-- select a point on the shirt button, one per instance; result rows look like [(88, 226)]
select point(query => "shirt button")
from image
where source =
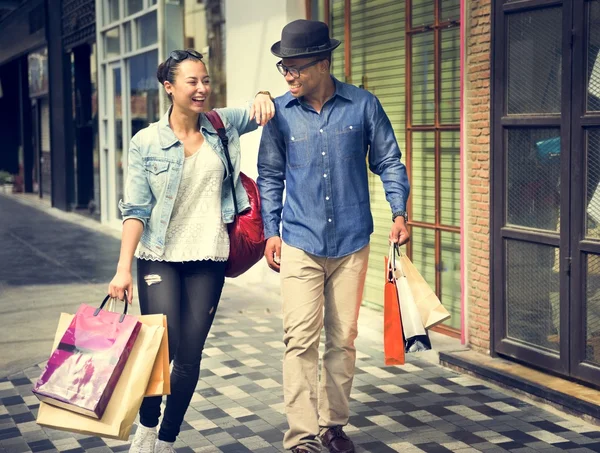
[(321, 131), (325, 176), (350, 127), (329, 220), (323, 153), (327, 198), (293, 139)]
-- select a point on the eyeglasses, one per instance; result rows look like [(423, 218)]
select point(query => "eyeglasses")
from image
[(295, 72), (179, 55)]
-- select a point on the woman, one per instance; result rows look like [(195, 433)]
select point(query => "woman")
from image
[(178, 201)]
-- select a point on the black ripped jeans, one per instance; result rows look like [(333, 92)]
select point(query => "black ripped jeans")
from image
[(188, 293)]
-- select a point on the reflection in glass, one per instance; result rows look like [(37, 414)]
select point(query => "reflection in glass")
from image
[(423, 86), (147, 30), (336, 26), (133, 6), (450, 178), (118, 130), (593, 183), (593, 62), (450, 10), (450, 277), (144, 90), (112, 43), (111, 11), (422, 192), (533, 178), (423, 253), (592, 310), (422, 13), (535, 61), (532, 297), (450, 76)]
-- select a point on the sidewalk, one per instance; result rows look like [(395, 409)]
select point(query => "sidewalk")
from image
[(48, 265)]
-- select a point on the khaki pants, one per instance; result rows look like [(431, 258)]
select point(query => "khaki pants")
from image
[(319, 292)]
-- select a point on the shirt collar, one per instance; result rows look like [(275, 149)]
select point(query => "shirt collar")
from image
[(340, 90)]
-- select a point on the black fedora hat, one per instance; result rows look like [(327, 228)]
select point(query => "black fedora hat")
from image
[(303, 38)]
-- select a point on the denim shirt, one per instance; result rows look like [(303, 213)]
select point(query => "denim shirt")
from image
[(154, 168), (322, 160)]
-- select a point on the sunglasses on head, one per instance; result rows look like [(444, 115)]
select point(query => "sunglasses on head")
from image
[(179, 55)]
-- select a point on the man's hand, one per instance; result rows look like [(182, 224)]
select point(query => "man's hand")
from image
[(262, 109), (273, 252), (399, 234)]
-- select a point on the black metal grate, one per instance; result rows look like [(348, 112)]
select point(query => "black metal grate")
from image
[(592, 324), (532, 295), (79, 22), (533, 178), (534, 61), (593, 60)]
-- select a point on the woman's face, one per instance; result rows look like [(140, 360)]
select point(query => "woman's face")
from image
[(191, 88)]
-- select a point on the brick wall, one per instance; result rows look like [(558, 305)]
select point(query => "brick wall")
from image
[(477, 167)]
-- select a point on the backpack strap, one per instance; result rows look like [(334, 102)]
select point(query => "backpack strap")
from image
[(217, 123)]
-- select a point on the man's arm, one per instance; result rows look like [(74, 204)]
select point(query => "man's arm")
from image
[(271, 177), (384, 157)]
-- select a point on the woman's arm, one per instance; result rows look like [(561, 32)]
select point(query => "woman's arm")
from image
[(123, 281)]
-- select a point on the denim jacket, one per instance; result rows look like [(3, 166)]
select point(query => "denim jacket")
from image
[(154, 168)]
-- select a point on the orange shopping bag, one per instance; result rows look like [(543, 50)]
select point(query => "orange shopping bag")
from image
[(393, 338)]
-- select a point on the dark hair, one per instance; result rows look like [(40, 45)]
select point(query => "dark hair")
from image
[(167, 70)]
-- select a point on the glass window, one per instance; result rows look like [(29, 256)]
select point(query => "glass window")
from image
[(450, 178), (450, 10), (423, 253), (111, 11), (592, 311), (127, 32), (144, 90), (112, 43), (533, 178), (337, 26), (593, 183), (450, 276), (423, 86), (534, 61), (532, 303), (118, 135), (133, 6), (450, 76), (147, 30), (422, 165), (422, 13), (593, 60)]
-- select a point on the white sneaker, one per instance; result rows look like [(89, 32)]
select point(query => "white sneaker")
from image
[(144, 440), (164, 447)]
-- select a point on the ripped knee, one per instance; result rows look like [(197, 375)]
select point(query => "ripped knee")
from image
[(152, 279)]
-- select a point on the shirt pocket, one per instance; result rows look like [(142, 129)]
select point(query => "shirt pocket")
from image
[(297, 150), (158, 174), (349, 141)]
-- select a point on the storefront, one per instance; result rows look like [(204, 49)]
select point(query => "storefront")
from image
[(408, 55)]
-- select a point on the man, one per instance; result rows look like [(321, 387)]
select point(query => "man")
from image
[(319, 141)]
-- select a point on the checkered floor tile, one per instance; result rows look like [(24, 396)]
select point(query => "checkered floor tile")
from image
[(238, 406)]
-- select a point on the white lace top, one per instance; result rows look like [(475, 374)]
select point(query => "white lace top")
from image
[(196, 230)]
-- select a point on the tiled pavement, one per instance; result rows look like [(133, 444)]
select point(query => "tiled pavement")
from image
[(238, 402)]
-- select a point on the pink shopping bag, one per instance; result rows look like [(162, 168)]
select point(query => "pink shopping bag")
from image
[(84, 369)]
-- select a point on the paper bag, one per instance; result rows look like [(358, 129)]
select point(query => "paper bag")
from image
[(160, 379), (126, 400), (430, 308), (393, 340)]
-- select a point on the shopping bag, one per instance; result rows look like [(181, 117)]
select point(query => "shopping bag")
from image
[(85, 366), (393, 339), (122, 409), (430, 308), (160, 379), (415, 336)]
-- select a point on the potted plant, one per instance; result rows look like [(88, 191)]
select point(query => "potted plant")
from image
[(6, 181)]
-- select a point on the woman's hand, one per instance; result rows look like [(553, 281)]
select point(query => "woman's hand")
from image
[(121, 284), (263, 108)]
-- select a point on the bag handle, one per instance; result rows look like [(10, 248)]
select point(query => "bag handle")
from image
[(216, 121), (122, 318), (395, 265)]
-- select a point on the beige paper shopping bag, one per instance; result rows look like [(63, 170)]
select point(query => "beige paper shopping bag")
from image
[(430, 308), (160, 379), (127, 397)]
